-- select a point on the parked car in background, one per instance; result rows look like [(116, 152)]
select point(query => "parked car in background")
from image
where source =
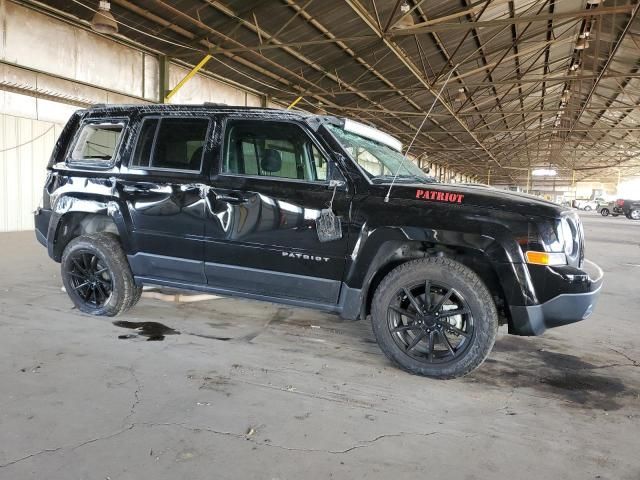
[(606, 208), (628, 208), (588, 205)]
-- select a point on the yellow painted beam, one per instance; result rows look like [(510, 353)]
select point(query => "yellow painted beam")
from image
[(294, 103), (187, 77)]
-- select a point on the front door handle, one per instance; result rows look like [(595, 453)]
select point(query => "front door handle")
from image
[(229, 198)]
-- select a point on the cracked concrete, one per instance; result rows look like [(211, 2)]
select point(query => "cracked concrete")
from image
[(297, 393)]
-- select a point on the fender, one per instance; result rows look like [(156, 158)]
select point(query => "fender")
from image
[(103, 200), (377, 250)]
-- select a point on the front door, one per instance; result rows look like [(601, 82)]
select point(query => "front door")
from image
[(163, 188), (262, 206)]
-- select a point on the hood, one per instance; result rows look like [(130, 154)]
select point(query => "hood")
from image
[(475, 196)]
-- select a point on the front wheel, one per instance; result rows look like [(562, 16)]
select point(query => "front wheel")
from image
[(634, 214), (96, 275), (604, 212), (434, 317)]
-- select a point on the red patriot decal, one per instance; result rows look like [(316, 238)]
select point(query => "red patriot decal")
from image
[(448, 197)]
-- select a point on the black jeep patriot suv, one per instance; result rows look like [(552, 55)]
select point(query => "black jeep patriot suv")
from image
[(297, 209)]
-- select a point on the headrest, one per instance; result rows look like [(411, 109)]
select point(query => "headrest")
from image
[(271, 161)]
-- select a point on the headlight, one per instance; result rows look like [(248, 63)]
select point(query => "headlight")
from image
[(552, 242), (567, 237)]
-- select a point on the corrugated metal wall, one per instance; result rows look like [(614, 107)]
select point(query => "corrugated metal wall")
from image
[(25, 146)]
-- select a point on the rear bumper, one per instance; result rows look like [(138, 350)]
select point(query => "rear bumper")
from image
[(562, 309), (41, 219)]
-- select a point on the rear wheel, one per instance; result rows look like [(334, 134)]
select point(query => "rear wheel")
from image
[(604, 212), (96, 275), (587, 208), (634, 214), (434, 317)]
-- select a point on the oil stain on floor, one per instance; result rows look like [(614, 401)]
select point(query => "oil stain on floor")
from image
[(520, 363), (154, 331)]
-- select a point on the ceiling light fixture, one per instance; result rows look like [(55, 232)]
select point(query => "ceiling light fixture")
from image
[(103, 20), (582, 42), (544, 172), (406, 20)]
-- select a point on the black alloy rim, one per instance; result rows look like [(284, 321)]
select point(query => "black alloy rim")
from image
[(430, 322), (90, 278)]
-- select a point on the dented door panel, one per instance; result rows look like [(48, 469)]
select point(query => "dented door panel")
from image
[(261, 237), (167, 228)]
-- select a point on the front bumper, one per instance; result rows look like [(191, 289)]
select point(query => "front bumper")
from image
[(562, 309)]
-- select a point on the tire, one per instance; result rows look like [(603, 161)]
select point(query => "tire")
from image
[(399, 335), (587, 208), (97, 276), (604, 212), (634, 214), (135, 298)]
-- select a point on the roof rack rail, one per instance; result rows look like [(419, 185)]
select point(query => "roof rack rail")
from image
[(215, 104), (97, 105)]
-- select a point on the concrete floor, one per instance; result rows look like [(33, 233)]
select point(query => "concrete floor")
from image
[(254, 390)]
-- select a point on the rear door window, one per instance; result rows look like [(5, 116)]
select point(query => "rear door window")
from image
[(142, 155), (97, 144), (171, 144)]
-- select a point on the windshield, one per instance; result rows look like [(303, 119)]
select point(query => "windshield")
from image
[(379, 161)]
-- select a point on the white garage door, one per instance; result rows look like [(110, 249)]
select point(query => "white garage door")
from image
[(25, 147)]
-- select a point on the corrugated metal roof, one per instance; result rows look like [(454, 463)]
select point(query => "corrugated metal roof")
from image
[(530, 98)]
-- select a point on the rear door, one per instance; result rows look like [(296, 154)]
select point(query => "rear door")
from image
[(163, 190), (261, 237)]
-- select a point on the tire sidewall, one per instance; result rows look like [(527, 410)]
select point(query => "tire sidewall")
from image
[(604, 212), (95, 246), (472, 290)]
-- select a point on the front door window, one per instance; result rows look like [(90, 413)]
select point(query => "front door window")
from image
[(272, 150)]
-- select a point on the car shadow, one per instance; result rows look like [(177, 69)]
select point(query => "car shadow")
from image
[(536, 363)]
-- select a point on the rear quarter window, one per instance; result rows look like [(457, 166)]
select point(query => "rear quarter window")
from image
[(96, 144)]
